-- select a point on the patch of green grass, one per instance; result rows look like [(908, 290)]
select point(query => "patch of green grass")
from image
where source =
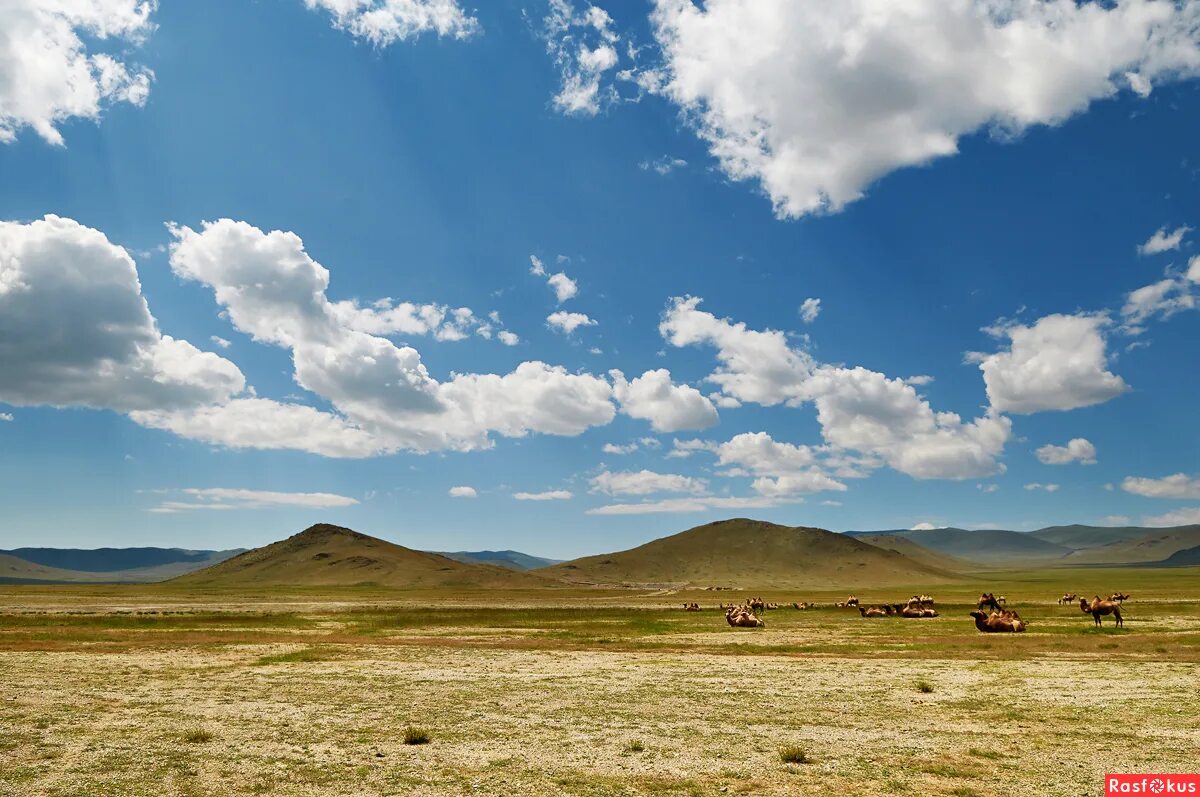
[(924, 687), (947, 771), (991, 755), (198, 736), (794, 754), (415, 735), (294, 657), (634, 746)]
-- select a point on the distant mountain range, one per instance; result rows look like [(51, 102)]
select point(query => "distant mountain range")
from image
[(103, 565), (738, 552), (1055, 546), (510, 559)]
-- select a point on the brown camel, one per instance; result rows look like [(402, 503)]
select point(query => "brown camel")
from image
[(800, 605), (996, 623), (1068, 597), (757, 604), (1119, 597), (917, 611), (989, 601), (871, 611), (1099, 607), (691, 607), (742, 617)]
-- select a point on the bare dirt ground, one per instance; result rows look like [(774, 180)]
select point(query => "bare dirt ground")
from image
[(589, 701)]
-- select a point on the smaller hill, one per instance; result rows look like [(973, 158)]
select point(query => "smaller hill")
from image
[(109, 560), (1150, 545), (918, 553), (14, 570), (1188, 557), (327, 555), (1078, 536), (749, 554), (514, 560), (986, 546)]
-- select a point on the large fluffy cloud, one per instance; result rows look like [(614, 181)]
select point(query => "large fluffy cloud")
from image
[(48, 75), (75, 330), (865, 411), (382, 22), (271, 289), (1059, 362), (858, 409), (667, 406), (758, 367), (816, 100)]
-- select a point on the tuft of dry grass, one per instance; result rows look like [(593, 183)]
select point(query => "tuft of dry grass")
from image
[(415, 735), (794, 754), (198, 736), (924, 687)]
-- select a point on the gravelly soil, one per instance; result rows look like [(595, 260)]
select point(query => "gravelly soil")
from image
[(329, 721)]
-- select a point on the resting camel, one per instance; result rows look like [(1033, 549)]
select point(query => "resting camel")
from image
[(757, 604), (871, 611), (997, 623), (1099, 607), (742, 617), (691, 607), (988, 600), (917, 611), (1119, 597), (1068, 597), (851, 601), (801, 605)]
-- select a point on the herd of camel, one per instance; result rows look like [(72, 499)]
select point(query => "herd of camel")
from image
[(996, 619)]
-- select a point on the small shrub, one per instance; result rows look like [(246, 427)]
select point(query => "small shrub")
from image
[(924, 687), (989, 754), (635, 746), (414, 735), (198, 736), (793, 754), (964, 791)]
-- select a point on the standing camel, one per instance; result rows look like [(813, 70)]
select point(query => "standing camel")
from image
[(1101, 607)]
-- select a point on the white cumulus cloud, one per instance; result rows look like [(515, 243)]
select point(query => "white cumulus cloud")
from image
[(462, 491), (1059, 362), (569, 322), (583, 45), (382, 22), (1078, 449), (668, 407), (227, 498), (1179, 485), (1163, 241), (51, 71), (817, 100)]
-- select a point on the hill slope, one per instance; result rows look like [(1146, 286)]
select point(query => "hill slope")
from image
[(514, 560), (1151, 545), (325, 555), (1188, 557), (110, 560), (1078, 537), (751, 553), (918, 553), (986, 546)]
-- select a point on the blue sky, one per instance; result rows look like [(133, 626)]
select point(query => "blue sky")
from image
[(934, 210)]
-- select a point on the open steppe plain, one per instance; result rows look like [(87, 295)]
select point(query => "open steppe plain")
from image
[(157, 690)]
